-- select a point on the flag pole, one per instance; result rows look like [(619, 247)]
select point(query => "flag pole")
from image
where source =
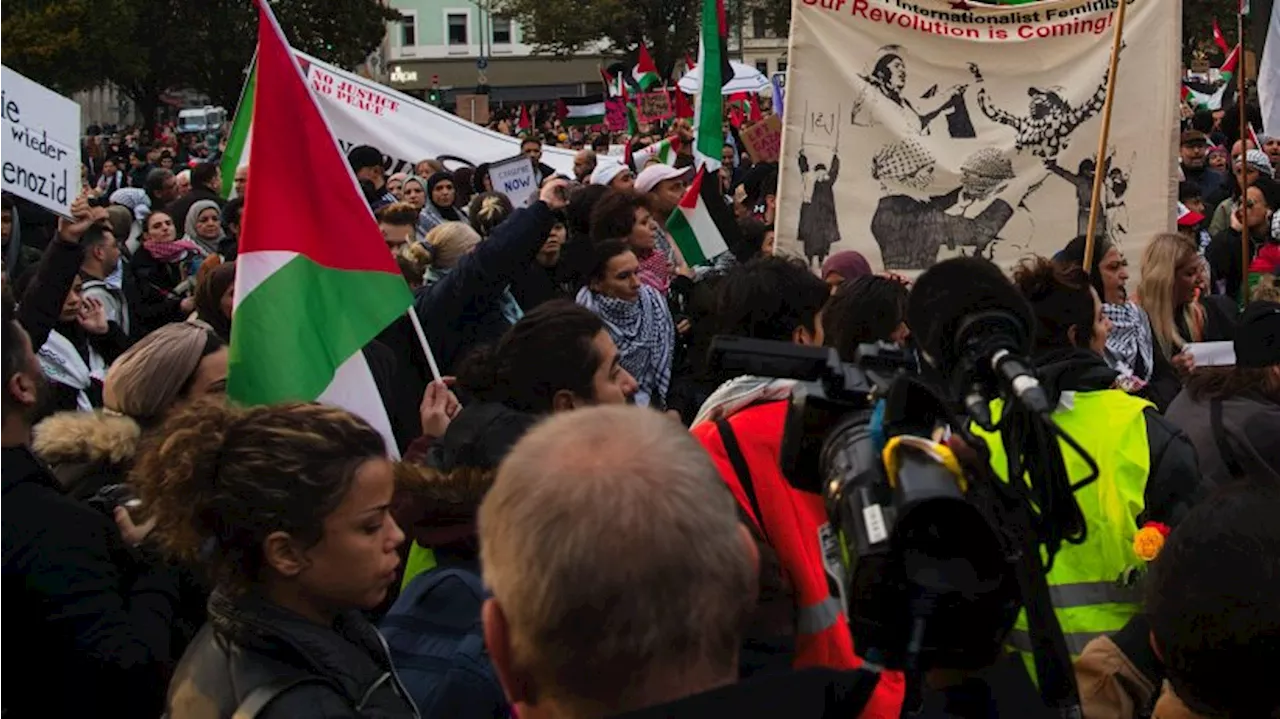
[(426, 348), (1104, 136), (1245, 245)]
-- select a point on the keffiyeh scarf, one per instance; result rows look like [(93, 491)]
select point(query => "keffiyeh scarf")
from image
[(645, 336), (1130, 345)]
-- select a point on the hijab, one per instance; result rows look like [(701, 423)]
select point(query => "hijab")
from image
[(449, 213), (433, 215), (207, 247)]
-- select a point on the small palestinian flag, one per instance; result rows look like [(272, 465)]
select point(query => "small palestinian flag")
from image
[(581, 111), (696, 224), (664, 152), (645, 73)]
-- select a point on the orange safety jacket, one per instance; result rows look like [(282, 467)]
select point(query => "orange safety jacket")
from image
[(796, 526)]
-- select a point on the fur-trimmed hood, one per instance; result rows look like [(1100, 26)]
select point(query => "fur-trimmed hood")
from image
[(87, 449)]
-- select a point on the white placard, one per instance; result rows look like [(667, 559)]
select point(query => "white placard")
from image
[(514, 178), (1211, 354), (40, 150)]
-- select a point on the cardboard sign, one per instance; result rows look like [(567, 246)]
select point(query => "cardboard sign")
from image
[(763, 139), (515, 178), (654, 106), (473, 107), (41, 146), (615, 114)]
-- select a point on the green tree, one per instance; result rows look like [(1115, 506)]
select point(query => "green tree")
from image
[(207, 46), (68, 45), (564, 27), (342, 32)]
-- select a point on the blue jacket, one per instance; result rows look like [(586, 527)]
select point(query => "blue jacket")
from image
[(436, 640), (464, 309)]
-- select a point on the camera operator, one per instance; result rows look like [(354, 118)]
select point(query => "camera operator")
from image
[(1146, 467), (800, 621), (622, 581)]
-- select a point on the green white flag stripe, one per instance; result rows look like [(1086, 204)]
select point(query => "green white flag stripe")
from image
[(237, 152), (291, 298), (587, 114), (690, 228)]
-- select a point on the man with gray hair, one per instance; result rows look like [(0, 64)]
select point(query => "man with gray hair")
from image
[(622, 579), (584, 163), (620, 574)]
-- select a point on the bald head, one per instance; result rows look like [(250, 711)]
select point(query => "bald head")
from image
[(616, 559), (584, 163)]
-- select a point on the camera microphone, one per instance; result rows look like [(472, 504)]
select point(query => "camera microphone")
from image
[(974, 326)]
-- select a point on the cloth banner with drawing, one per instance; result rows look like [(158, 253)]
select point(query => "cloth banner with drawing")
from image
[(918, 130)]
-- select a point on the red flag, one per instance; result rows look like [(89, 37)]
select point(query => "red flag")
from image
[(524, 123), (735, 115), (1219, 39), (291, 130), (684, 108), (755, 109)]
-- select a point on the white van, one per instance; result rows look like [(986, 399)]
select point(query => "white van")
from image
[(201, 119)]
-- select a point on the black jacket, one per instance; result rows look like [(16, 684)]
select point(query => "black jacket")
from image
[(802, 694), (1247, 427), (305, 669), (1223, 254), (92, 614), (463, 309), (157, 303)]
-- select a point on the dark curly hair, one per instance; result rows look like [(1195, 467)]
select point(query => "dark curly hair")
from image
[(219, 479), (615, 214), (1060, 295)]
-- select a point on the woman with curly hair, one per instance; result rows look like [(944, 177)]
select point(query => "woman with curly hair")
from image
[(288, 506)]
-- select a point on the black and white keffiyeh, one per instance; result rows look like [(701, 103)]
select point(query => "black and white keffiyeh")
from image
[(645, 336), (1130, 346)]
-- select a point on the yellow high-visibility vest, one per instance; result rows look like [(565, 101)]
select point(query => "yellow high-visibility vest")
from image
[(1088, 583)]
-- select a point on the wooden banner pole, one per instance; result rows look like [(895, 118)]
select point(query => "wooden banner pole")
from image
[(1100, 164)]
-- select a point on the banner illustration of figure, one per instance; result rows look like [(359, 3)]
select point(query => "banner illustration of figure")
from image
[(1050, 120), (968, 126), (911, 231), (819, 226), (879, 98), (1113, 217)]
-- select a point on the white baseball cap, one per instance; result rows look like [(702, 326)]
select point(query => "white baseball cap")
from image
[(650, 176), (606, 171)]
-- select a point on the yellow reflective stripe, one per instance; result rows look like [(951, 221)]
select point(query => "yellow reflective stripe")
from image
[(1020, 639), (817, 618), (1087, 594)]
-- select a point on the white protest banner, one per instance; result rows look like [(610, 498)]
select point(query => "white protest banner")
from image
[(918, 130), (41, 146), (405, 129), (514, 177)]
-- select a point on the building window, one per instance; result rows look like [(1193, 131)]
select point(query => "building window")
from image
[(457, 23), (762, 66), (759, 26), (782, 66), (408, 30), (501, 30)]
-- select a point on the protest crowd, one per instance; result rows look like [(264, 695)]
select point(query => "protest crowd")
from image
[(571, 506)]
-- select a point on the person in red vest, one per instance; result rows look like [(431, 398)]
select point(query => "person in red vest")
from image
[(801, 618)]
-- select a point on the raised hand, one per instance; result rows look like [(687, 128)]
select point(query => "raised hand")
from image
[(93, 316)]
